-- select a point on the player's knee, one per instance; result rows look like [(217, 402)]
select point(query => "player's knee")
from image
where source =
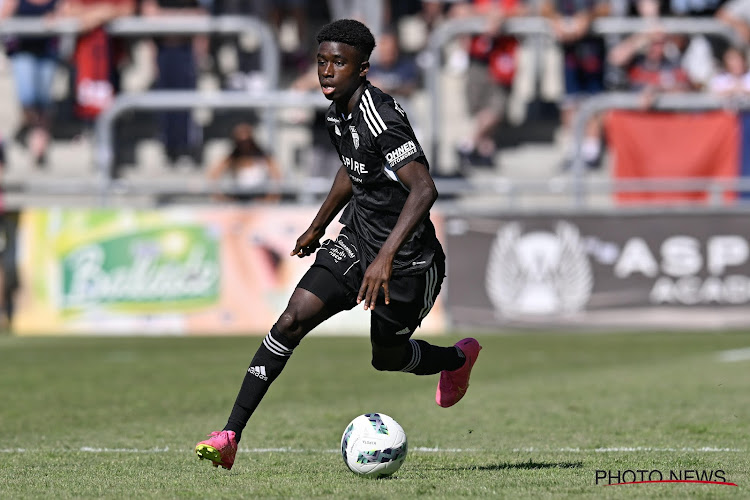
[(386, 363), (289, 325)]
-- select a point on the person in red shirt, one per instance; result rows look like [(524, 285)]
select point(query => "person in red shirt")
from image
[(492, 68), (652, 62), (97, 57)]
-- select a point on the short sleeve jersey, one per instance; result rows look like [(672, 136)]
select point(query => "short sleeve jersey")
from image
[(373, 142)]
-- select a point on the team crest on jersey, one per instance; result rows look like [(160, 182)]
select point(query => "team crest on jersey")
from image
[(399, 108), (355, 136)]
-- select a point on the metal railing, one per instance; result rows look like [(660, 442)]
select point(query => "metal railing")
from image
[(682, 101), (540, 27), (134, 27), (456, 195), (577, 186), (177, 100)]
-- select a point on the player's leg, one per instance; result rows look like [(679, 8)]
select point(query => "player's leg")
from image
[(393, 349), (304, 312), (392, 325), (405, 354), (317, 297)]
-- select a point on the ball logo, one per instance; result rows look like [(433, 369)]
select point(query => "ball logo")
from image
[(538, 273)]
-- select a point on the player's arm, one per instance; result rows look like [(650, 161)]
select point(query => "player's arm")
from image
[(338, 197), (422, 195)]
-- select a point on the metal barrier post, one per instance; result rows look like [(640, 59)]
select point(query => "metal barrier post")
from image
[(233, 25), (175, 100)]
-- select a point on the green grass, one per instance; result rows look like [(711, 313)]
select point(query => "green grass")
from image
[(118, 418)]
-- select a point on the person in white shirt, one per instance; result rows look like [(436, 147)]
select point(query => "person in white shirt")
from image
[(734, 78)]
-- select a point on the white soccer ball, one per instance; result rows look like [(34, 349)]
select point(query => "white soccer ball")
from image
[(373, 445)]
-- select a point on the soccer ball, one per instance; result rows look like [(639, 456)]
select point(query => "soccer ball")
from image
[(373, 445)]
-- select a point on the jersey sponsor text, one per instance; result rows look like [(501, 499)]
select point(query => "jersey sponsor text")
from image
[(354, 165), (403, 151)]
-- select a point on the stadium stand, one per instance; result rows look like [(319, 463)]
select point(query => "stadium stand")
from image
[(530, 141)]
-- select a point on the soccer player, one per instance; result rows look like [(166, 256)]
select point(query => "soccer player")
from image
[(386, 257)]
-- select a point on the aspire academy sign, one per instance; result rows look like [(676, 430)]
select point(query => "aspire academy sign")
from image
[(660, 269)]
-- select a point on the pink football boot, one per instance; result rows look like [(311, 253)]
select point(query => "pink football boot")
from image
[(220, 448), (453, 384)]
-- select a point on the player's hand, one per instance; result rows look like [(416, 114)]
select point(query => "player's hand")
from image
[(307, 243), (377, 276)]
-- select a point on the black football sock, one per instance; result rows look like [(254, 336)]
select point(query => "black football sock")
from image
[(266, 365), (428, 359)]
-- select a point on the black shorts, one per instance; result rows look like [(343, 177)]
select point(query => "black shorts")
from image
[(337, 274)]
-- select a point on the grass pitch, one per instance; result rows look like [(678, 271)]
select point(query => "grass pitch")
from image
[(118, 418)]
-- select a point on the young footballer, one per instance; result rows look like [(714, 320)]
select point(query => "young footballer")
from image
[(386, 257)]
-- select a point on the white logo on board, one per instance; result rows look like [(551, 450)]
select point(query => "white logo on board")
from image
[(538, 273)]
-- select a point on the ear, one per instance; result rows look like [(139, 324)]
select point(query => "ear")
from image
[(364, 68)]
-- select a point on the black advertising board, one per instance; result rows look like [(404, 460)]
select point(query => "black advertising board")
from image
[(674, 270)]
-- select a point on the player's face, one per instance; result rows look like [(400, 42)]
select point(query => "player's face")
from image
[(340, 70)]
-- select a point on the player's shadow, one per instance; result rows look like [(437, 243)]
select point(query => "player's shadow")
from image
[(528, 465)]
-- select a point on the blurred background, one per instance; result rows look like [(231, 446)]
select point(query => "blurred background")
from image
[(160, 157)]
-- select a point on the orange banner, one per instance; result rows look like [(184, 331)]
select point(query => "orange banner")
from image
[(672, 145)]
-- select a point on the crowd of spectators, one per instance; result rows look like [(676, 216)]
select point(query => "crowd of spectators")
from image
[(651, 61)]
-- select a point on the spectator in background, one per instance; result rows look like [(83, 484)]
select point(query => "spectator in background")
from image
[(390, 71), (433, 11), (298, 58), (694, 8), (698, 49), (583, 65), (370, 12), (492, 68), (736, 13), (246, 75), (248, 165), (430, 12), (649, 10), (97, 58), (33, 62), (734, 78), (176, 64), (652, 62)]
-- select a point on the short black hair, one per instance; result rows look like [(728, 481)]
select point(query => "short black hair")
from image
[(350, 32)]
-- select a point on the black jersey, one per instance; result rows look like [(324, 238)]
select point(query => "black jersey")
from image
[(374, 141)]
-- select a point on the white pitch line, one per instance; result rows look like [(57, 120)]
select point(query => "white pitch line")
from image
[(88, 449), (418, 449), (734, 355)]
